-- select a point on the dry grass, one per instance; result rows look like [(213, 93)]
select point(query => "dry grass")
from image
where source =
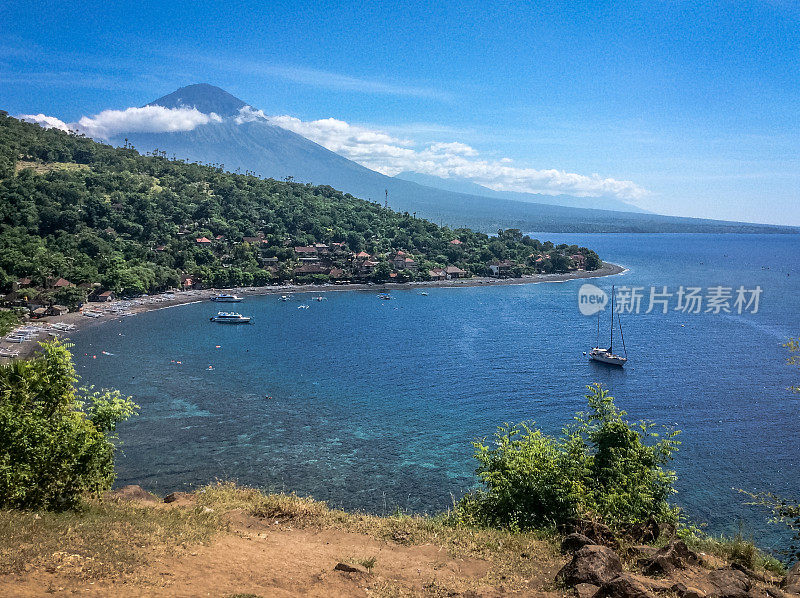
[(737, 549), (101, 540), (515, 557)]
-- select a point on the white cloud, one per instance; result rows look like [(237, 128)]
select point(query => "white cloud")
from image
[(44, 121), (149, 119), (372, 148), (249, 114), (109, 123), (390, 155)]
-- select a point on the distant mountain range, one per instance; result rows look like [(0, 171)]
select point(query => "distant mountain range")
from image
[(459, 185), (256, 145)]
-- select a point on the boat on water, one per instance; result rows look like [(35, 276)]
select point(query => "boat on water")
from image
[(385, 296), (608, 356), (320, 298), (285, 297), (223, 298), (226, 317)]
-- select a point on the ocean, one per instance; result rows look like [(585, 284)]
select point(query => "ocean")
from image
[(373, 405)]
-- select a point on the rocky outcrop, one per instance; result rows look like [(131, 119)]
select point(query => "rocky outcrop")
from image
[(597, 532), (643, 533), (574, 542), (624, 586), (592, 564), (179, 497), (676, 555), (586, 590), (730, 583), (791, 583)]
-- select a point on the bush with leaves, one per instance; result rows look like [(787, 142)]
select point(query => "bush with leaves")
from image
[(55, 443), (602, 467)]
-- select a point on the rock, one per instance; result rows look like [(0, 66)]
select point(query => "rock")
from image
[(676, 555), (133, 492), (645, 532), (591, 564), (574, 542), (730, 583), (623, 586), (349, 568), (178, 497), (762, 577), (597, 532), (642, 552), (586, 590), (791, 583), (687, 592)]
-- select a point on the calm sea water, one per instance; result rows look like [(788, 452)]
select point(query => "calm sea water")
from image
[(372, 404)]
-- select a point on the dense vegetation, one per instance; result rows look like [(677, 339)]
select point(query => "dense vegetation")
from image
[(602, 467), (55, 441), (92, 213)]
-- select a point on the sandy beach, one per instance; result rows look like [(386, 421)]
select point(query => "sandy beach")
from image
[(126, 308)]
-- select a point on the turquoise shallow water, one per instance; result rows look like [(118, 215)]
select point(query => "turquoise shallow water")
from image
[(372, 404)]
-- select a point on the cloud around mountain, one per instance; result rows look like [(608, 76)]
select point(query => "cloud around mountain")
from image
[(389, 155), (111, 123), (369, 147)]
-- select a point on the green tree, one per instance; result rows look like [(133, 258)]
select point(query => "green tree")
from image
[(56, 442), (602, 466)]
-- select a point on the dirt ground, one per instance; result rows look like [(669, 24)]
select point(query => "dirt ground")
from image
[(275, 557)]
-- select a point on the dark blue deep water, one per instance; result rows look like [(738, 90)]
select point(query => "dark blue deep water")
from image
[(373, 404)]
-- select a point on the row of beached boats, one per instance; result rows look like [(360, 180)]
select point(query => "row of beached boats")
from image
[(31, 332)]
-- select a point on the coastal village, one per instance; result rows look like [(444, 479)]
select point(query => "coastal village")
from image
[(317, 263)]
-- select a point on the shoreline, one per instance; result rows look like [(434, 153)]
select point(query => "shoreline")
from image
[(126, 308)]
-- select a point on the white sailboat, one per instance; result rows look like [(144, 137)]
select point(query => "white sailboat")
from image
[(607, 355)]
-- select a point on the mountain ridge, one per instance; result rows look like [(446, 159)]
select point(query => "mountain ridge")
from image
[(461, 185), (257, 146)]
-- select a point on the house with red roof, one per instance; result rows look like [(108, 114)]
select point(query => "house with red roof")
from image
[(579, 260)]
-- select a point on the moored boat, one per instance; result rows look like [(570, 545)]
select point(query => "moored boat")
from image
[(225, 317), (608, 356), (224, 298)]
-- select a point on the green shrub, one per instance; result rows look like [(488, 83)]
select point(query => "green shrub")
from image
[(601, 467), (55, 444)]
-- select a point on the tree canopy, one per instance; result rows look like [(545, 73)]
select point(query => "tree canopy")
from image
[(91, 213)]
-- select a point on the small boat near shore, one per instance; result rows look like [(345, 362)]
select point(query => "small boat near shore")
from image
[(225, 317), (224, 298)]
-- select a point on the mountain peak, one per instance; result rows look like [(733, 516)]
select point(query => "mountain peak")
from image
[(206, 98)]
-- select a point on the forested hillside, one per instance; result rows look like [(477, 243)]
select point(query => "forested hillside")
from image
[(90, 213)]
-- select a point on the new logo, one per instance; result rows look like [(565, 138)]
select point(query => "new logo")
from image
[(591, 299)]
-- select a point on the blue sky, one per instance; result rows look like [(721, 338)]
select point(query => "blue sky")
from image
[(697, 104)]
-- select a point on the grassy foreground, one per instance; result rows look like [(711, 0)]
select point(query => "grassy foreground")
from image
[(109, 541), (112, 546)]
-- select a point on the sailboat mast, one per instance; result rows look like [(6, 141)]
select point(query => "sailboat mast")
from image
[(610, 349), (597, 344)]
